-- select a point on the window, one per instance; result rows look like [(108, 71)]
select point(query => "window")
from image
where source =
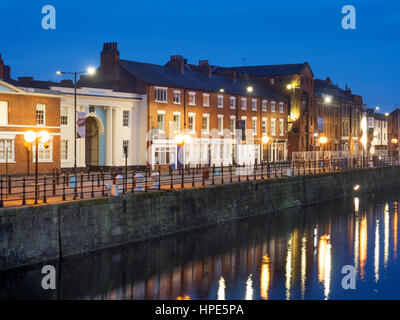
[(161, 121), (272, 81), (244, 101), (7, 150), (64, 150), (281, 124), (233, 125), (192, 119), (254, 125), (281, 107), (254, 104), (206, 100), (177, 122), (44, 154), (40, 114), (206, 122), (264, 105), (273, 104), (64, 116), (161, 95), (220, 101), (125, 145), (192, 98), (220, 123), (164, 155), (273, 132), (264, 126), (177, 97), (125, 118), (3, 112), (233, 103)]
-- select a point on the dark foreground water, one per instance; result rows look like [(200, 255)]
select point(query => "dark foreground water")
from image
[(296, 254)]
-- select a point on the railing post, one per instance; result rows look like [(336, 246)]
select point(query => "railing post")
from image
[(145, 179), (222, 173), (23, 192), (171, 176), (76, 186), (238, 171), (159, 178), (193, 169), (44, 190), (262, 170), (230, 173), (82, 196), (213, 174), (63, 195), (255, 170), (102, 184), (247, 171), (202, 176), (92, 186), (9, 185), (133, 181), (183, 178), (54, 185), (1, 193)]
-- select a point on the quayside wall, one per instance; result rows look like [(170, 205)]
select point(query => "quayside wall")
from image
[(30, 235)]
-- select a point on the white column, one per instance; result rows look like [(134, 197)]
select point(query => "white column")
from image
[(109, 137)]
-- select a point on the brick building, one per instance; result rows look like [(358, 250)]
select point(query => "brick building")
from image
[(394, 133), (338, 115), (203, 102), (295, 82), (21, 111)]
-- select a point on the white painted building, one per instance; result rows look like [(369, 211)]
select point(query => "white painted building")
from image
[(378, 125), (113, 120)]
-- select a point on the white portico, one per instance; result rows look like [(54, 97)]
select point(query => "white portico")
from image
[(114, 120)]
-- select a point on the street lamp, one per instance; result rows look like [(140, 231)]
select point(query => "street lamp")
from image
[(364, 141), (328, 99), (43, 138), (89, 71), (394, 141), (181, 140), (322, 141), (265, 141)]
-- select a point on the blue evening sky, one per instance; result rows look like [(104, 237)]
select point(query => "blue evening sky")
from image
[(225, 32)]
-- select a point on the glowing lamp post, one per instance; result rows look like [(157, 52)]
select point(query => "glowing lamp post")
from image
[(394, 141), (42, 138), (322, 141), (265, 140), (181, 140)]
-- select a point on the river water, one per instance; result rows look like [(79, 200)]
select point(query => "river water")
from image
[(294, 254)]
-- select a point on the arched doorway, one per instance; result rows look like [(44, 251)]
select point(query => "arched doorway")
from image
[(92, 142)]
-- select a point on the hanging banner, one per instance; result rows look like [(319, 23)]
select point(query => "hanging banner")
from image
[(81, 125)]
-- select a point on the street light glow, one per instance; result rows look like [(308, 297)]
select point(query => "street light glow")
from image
[(265, 139), (394, 140), (187, 138), (221, 90), (250, 89), (289, 86), (328, 99), (91, 71), (364, 140), (179, 139), (44, 136), (29, 136), (323, 140), (377, 108)]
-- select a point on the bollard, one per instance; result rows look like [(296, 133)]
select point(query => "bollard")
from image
[(139, 182), (156, 181)]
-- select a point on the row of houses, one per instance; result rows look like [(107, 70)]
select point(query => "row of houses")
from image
[(176, 114)]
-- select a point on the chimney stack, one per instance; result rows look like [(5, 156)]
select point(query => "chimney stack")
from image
[(5, 71), (177, 62), (228, 73), (204, 67), (110, 54), (328, 80)]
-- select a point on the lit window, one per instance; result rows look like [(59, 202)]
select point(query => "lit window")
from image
[(44, 154), (192, 119), (281, 125), (192, 98), (233, 125), (206, 100), (264, 125), (281, 107), (7, 150), (3, 112), (273, 132), (206, 123)]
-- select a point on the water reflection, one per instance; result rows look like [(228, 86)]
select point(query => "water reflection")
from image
[(295, 254)]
